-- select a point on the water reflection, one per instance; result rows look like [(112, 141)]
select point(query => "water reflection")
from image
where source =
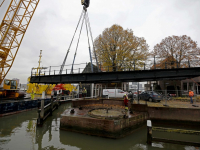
[(20, 132)]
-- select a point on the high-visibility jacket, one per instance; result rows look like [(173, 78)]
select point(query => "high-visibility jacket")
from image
[(32, 96), (126, 100), (191, 94), (84, 91)]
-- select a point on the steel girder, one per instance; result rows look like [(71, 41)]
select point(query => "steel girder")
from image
[(124, 76)]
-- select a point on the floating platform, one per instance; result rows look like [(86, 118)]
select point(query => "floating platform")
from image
[(9, 107)]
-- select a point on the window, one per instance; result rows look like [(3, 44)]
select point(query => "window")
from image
[(13, 83), (190, 86), (120, 91), (154, 93), (185, 86), (7, 82)]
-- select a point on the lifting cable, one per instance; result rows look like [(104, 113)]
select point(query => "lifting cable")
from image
[(2, 3), (63, 64), (88, 41), (84, 14), (92, 41), (77, 43)]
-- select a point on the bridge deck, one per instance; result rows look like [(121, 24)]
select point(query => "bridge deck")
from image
[(123, 76)]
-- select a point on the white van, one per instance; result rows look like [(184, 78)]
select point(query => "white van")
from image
[(113, 93)]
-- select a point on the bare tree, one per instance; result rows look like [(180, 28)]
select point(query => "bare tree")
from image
[(182, 49)]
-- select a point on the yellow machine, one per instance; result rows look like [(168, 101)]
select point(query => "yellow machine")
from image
[(12, 30), (39, 88), (10, 89)]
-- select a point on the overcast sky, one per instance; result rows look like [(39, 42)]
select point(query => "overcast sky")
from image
[(54, 22)]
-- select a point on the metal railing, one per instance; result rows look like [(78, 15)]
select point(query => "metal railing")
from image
[(120, 65)]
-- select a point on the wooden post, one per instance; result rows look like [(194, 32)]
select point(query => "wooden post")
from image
[(149, 132), (138, 93), (42, 109), (41, 114), (51, 109), (39, 120)]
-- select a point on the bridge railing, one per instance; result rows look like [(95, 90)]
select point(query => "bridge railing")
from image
[(120, 65)]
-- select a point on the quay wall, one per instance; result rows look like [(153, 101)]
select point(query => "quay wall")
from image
[(167, 113), (103, 127), (121, 127), (117, 128)]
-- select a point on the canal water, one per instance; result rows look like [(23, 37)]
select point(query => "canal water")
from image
[(19, 132)]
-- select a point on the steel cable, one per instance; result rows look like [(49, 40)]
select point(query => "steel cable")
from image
[(62, 66), (78, 43), (92, 40), (88, 41)]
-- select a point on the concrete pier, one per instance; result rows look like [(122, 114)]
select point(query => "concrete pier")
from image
[(110, 126)]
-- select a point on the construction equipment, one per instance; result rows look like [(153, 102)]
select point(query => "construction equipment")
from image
[(14, 26), (12, 30), (39, 88), (39, 68), (83, 17), (2, 3), (10, 89), (60, 87), (86, 3)]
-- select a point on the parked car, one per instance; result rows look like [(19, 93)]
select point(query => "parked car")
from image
[(113, 93), (150, 96)]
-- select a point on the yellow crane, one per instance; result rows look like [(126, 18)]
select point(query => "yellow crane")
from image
[(2, 3), (13, 28), (12, 31)]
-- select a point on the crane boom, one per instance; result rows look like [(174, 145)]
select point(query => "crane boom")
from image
[(2, 3), (12, 31)]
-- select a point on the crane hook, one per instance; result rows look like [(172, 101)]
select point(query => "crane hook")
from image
[(86, 3)]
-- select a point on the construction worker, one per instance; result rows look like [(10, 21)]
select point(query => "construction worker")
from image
[(84, 92), (126, 105), (32, 95), (191, 94)]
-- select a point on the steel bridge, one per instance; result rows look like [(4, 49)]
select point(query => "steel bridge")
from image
[(118, 76)]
